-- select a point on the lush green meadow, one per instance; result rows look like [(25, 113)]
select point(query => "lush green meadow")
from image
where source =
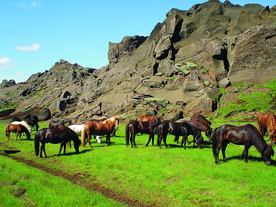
[(162, 177)]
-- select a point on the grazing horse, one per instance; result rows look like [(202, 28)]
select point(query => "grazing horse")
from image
[(104, 128), (135, 126), (183, 129), (56, 124), (15, 118), (202, 124), (33, 123), (246, 135), (60, 135), (266, 122), (24, 123), (18, 129)]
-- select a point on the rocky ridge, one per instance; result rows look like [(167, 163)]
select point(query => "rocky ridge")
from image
[(173, 73)]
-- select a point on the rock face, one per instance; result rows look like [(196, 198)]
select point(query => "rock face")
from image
[(173, 73)]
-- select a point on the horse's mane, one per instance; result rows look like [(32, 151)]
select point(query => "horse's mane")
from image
[(113, 119), (256, 138)]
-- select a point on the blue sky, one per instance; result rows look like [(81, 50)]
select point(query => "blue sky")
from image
[(36, 34)]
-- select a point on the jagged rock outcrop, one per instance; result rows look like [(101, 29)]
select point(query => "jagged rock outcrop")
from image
[(173, 73)]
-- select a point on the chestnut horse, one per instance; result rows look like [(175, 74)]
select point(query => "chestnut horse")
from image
[(266, 122), (148, 118), (18, 129), (103, 128), (246, 135), (60, 135), (144, 127), (202, 124), (183, 129)]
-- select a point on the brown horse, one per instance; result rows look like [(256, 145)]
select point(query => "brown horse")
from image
[(246, 135), (202, 124), (145, 127), (266, 122), (60, 135), (56, 124), (177, 129), (148, 118), (18, 129), (104, 128)]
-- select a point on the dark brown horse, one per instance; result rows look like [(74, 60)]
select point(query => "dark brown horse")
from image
[(266, 122), (202, 124), (104, 128), (18, 129), (177, 129), (246, 135), (56, 124), (144, 127), (60, 135)]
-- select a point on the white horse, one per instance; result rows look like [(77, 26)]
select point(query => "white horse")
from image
[(24, 124), (79, 129)]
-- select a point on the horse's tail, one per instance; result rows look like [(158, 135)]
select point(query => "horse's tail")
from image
[(36, 144), (214, 142), (127, 134), (83, 137), (6, 130)]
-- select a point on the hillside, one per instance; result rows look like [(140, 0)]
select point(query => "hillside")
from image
[(182, 68)]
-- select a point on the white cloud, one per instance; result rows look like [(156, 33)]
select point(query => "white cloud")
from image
[(33, 47), (5, 63), (35, 3)]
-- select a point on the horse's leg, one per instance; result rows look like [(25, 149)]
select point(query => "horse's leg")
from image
[(150, 137), (60, 148), (134, 143), (42, 148), (88, 139), (245, 151), (217, 153), (223, 151), (107, 142), (183, 142), (176, 139), (165, 140)]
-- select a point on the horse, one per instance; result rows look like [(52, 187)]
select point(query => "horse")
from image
[(148, 118), (99, 120), (246, 135), (202, 124), (266, 122), (15, 118), (18, 129), (25, 124), (56, 124), (183, 129), (104, 128), (33, 123), (60, 135), (135, 126)]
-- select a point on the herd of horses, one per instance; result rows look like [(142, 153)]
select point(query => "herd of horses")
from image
[(246, 135)]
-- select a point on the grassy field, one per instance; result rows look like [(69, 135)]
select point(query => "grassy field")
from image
[(161, 177)]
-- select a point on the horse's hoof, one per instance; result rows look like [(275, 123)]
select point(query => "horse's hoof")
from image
[(268, 163)]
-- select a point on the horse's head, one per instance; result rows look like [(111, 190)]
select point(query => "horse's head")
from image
[(268, 152), (116, 121), (208, 133)]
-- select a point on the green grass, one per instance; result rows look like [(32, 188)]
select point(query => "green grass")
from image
[(168, 176)]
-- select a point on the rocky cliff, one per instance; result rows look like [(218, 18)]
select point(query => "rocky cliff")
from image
[(173, 73)]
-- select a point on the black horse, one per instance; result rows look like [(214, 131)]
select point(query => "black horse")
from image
[(177, 129), (60, 135), (56, 124), (246, 135), (33, 123), (144, 127)]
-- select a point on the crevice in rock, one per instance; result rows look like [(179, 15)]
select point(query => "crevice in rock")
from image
[(223, 56)]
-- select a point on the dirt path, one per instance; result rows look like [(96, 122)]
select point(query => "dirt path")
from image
[(78, 180)]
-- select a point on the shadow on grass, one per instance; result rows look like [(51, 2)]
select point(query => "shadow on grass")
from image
[(9, 152), (250, 158)]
